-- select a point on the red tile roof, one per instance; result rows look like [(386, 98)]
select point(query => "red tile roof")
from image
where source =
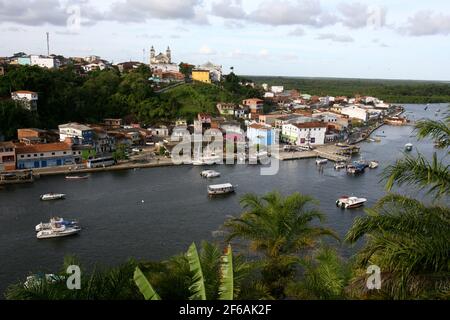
[(43, 147), (310, 125)]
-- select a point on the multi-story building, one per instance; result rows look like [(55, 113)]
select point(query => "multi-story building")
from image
[(113, 123), (79, 133), (215, 71), (355, 112), (201, 76), (44, 155), (260, 134), (28, 99), (255, 105), (308, 133), (7, 156), (226, 109), (44, 61)]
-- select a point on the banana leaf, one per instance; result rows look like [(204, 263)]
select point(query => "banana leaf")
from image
[(144, 286)]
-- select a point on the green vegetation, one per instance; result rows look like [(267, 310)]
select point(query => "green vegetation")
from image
[(66, 96), (392, 91)]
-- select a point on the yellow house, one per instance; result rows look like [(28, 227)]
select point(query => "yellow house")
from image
[(201, 75)]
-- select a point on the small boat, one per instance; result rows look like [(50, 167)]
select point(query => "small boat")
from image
[(72, 177), (218, 189), (210, 174), (408, 147), (321, 161), (57, 229), (46, 226), (58, 232), (355, 168), (339, 165), (373, 164), (36, 280), (52, 196), (346, 202)]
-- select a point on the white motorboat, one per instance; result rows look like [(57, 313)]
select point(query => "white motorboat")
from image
[(210, 174), (408, 147), (74, 177), (218, 189), (198, 162), (321, 161), (346, 202), (46, 226), (373, 164), (52, 196), (340, 165), (57, 229)]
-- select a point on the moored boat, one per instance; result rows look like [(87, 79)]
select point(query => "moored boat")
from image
[(373, 164), (59, 232), (321, 161), (339, 165), (46, 226), (210, 174), (346, 202), (408, 147), (218, 189), (76, 177), (52, 196)]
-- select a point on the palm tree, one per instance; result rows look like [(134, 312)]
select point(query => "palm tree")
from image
[(419, 171), (410, 242), (325, 276), (205, 275), (279, 228)]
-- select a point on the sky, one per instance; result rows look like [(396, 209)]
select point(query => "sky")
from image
[(383, 39)]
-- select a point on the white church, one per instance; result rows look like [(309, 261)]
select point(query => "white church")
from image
[(162, 61)]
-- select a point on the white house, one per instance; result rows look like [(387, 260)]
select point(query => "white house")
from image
[(308, 133), (98, 65), (161, 131), (277, 89), (44, 62), (355, 112), (27, 98), (79, 133), (215, 71), (269, 95)]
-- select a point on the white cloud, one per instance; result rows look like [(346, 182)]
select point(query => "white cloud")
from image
[(334, 37), (427, 23), (206, 50), (229, 9), (301, 12), (297, 32), (360, 15)]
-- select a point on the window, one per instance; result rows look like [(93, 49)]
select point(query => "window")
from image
[(28, 155), (313, 140), (53, 153), (22, 156), (35, 155), (64, 152), (302, 140), (42, 154)]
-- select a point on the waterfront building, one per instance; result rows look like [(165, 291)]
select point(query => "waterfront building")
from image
[(308, 133), (355, 112), (79, 133), (24, 61), (260, 134), (201, 75), (44, 155), (7, 156), (28, 99), (161, 131), (34, 135)]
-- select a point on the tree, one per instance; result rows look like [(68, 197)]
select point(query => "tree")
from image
[(420, 172), (410, 242), (279, 228), (207, 274)]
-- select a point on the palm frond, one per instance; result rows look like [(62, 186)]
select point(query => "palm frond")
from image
[(197, 288)]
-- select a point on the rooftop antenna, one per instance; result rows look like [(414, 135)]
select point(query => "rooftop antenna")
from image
[(48, 44), (143, 55)]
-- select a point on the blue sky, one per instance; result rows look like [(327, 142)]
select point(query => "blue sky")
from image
[(403, 39)]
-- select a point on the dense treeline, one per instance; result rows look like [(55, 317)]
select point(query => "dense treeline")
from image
[(67, 96), (393, 91)]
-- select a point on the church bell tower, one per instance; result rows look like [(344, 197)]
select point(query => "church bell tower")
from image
[(152, 55), (169, 54)]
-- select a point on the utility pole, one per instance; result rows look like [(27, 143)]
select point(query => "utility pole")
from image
[(48, 44)]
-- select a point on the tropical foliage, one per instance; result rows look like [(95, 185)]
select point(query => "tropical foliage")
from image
[(279, 228)]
